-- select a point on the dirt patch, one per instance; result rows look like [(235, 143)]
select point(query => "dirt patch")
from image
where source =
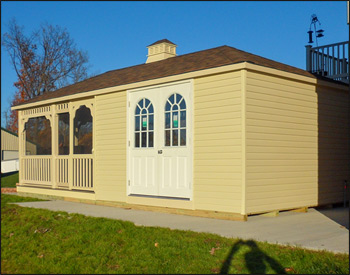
[(9, 190)]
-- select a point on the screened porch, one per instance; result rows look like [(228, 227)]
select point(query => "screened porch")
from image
[(63, 138)]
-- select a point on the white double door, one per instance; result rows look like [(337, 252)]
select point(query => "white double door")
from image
[(160, 145)]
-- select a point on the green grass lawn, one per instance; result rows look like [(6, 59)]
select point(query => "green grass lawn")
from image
[(9, 179), (42, 241)]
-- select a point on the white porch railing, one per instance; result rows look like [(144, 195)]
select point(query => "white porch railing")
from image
[(62, 177), (331, 61), (36, 169), (82, 172)]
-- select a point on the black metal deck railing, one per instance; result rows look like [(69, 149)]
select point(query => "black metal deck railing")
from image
[(331, 61)]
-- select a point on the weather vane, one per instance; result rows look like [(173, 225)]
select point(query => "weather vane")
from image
[(318, 33)]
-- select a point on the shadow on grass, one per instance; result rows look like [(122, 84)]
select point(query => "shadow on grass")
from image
[(256, 260), (4, 175), (9, 179)]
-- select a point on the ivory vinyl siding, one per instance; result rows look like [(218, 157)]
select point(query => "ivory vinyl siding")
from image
[(110, 147), (333, 142), (8, 141), (217, 145), (281, 143)]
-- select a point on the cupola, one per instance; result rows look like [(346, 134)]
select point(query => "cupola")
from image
[(161, 50)]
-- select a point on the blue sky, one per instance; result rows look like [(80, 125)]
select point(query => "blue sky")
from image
[(115, 33)]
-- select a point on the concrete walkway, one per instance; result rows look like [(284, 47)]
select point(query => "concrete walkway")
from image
[(312, 230)]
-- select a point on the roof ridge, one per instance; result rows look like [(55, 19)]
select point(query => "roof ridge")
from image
[(222, 52), (189, 62), (265, 58), (179, 56), (143, 64), (162, 41), (123, 69)]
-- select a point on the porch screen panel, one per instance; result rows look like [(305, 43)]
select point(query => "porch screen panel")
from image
[(63, 134), (38, 135), (83, 131)]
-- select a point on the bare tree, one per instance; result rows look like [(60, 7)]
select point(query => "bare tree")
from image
[(44, 61), (5, 116)]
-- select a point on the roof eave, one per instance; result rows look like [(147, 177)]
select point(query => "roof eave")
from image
[(172, 78), (166, 79)]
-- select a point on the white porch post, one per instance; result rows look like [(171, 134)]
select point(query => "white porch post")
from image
[(92, 109), (54, 143), (22, 120), (71, 147), (21, 146)]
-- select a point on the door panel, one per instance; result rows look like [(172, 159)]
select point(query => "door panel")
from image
[(176, 173), (182, 172), (166, 168), (143, 143), (136, 167), (166, 163)]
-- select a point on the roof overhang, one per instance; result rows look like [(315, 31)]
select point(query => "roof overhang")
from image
[(184, 76)]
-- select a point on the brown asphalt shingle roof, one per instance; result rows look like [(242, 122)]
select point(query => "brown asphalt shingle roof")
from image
[(215, 57), (161, 41)]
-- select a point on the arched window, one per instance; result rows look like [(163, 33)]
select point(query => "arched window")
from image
[(38, 136), (175, 121), (144, 125), (83, 131)]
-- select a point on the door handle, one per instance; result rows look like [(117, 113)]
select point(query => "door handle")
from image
[(160, 152)]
